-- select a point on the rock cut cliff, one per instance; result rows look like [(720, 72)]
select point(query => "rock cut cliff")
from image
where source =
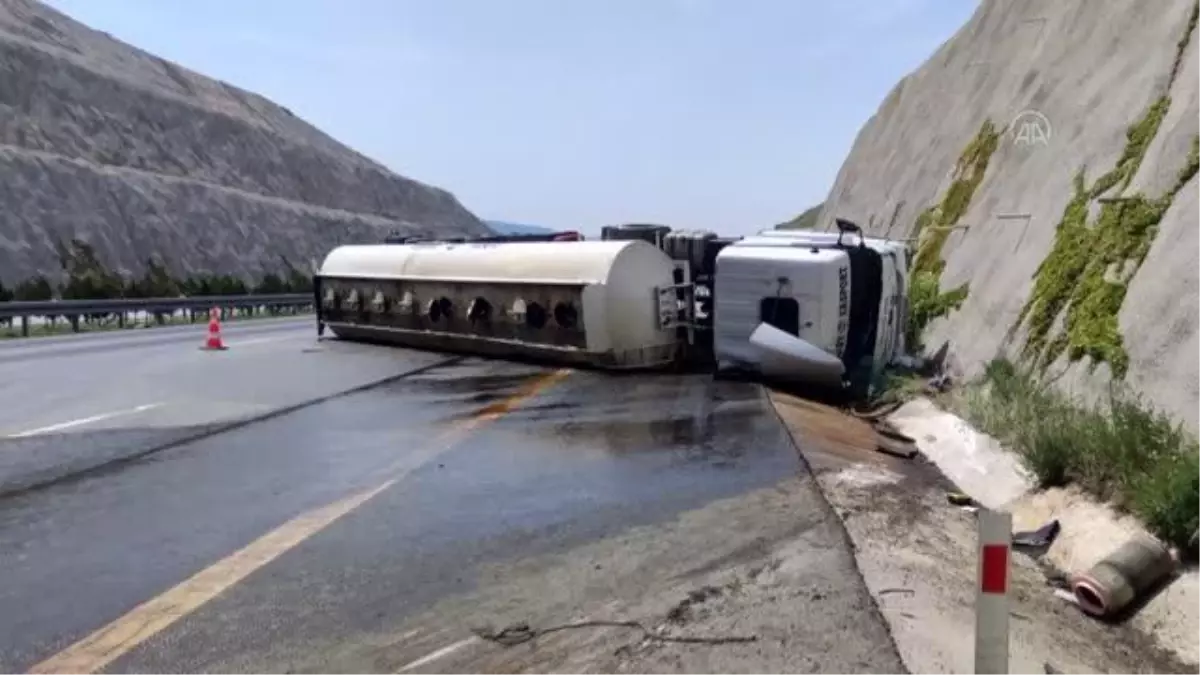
[(1043, 163), (141, 158)]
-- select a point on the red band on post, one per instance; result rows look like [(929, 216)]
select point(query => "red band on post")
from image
[(994, 577)]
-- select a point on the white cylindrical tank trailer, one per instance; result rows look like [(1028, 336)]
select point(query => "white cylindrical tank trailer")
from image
[(608, 304)]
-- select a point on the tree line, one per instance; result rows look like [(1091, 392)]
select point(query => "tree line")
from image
[(87, 279)]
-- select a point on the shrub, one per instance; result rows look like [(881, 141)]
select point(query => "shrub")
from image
[(1120, 450)]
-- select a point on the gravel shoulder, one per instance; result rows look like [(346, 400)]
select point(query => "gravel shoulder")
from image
[(917, 556)]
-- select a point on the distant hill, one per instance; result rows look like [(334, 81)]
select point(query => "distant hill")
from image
[(804, 221), (126, 158), (503, 227)]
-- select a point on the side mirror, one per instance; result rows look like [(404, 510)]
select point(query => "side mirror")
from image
[(844, 226)]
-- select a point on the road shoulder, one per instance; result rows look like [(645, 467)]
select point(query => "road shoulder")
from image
[(917, 556), (772, 564)]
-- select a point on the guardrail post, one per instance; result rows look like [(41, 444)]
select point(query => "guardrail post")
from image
[(991, 599), (24, 326), (74, 318)]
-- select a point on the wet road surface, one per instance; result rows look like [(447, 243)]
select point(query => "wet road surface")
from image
[(286, 540)]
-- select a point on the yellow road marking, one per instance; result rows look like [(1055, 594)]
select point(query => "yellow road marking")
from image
[(139, 624)]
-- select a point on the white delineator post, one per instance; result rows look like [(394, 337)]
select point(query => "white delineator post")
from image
[(991, 600)]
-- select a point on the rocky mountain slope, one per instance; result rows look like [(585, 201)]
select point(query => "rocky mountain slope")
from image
[(1044, 162), (141, 158)]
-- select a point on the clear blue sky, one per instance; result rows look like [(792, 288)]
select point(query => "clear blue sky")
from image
[(721, 114)]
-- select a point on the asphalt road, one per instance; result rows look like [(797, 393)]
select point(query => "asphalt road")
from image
[(136, 391), (372, 530)]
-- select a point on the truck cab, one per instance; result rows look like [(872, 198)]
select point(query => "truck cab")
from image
[(843, 294), (893, 315)]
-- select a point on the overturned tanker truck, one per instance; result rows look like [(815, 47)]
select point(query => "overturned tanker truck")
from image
[(827, 309)]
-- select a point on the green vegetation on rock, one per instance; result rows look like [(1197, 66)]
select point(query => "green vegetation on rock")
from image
[(1193, 163), (1137, 139), (1088, 270), (933, 226), (1181, 46), (1059, 273)]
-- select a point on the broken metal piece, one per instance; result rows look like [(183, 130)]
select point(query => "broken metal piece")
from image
[(1042, 537)]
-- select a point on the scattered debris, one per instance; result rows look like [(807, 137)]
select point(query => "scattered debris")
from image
[(1050, 669), (1055, 578), (891, 441), (521, 633), (896, 449), (886, 428), (1115, 582), (681, 612), (920, 365), (878, 412), (960, 499), (1066, 595), (1040, 538), (939, 384), (906, 591)]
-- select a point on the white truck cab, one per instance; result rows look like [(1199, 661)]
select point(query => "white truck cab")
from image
[(893, 325), (841, 293)]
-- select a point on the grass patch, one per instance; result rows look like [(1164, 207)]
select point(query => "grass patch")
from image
[(1120, 450), (932, 228)]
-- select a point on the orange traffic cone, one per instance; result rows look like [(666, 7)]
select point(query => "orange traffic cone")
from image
[(214, 331)]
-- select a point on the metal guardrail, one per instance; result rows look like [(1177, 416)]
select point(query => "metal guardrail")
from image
[(74, 309)]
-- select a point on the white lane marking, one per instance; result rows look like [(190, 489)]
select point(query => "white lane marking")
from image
[(434, 656), (84, 420), (409, 634)]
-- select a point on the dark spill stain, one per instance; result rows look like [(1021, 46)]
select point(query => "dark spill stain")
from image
[(450, 382), (696, 434)]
